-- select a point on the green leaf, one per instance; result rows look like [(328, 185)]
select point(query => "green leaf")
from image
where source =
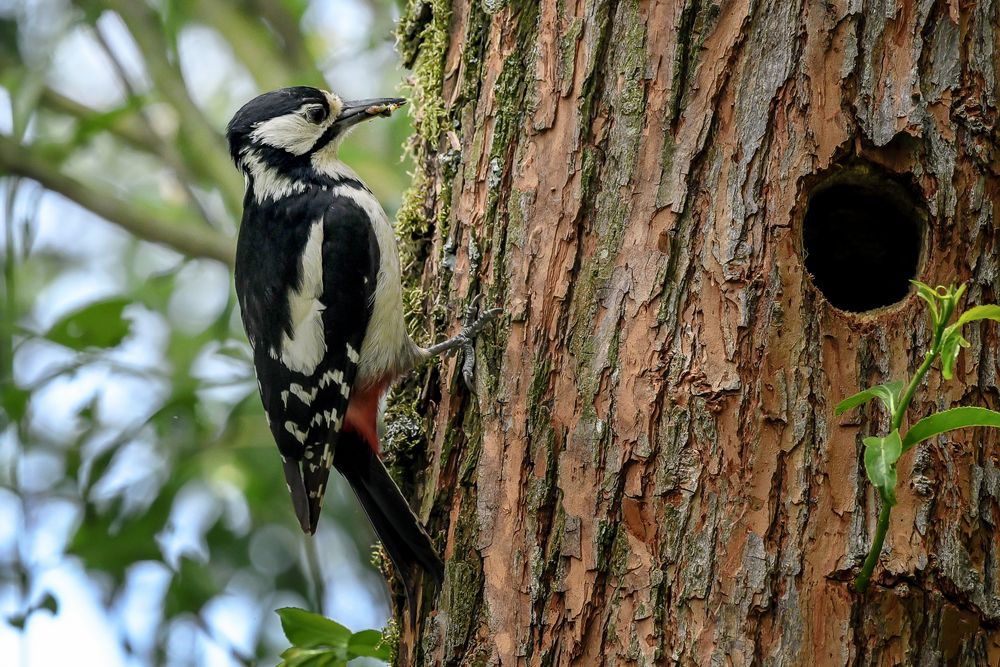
[(311, 657), (956, 293), (48, 603), (368, 643), (308, 630), (928, 294), (14, 401), (887, 393), (95, 468), (110, 542), (988, 312), (952, 342), (99, 324), (191, 588), (949, 420), (10, 52), (317, 641), (881, 455)]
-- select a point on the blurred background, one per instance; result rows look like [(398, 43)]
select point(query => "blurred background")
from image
[(143, 515)]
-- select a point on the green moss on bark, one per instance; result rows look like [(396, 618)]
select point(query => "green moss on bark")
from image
[(423, 42), (463, 585)]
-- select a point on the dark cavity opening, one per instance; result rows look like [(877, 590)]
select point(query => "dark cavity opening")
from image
[(862, 236)]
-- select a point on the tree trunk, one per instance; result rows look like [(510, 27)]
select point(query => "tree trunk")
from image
[(651, 472)]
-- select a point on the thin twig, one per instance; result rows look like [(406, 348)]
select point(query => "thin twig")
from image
[(315, 573), (287, 25), (165, 150), (213, 161), (254, 45), (125, 127), (146, 224)]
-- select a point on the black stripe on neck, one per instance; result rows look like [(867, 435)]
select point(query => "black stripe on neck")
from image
[(329, 135)]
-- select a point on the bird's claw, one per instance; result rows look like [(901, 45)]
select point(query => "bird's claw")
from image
[(465, 340), (473, 326)]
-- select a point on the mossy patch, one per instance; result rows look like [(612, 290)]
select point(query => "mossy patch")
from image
[(423, 43)]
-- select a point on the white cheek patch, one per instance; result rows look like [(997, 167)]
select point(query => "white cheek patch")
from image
[(303, 351), (336, 106), (290, 132)]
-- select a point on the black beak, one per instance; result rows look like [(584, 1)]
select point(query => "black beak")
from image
[(356, 111)]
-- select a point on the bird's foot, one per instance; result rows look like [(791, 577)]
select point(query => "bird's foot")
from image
[(466, 338)]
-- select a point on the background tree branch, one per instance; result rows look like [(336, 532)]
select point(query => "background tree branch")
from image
[(144, 223), (121, 124), (196, 133)]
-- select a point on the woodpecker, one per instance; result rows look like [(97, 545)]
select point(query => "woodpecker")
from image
[(318, 284)]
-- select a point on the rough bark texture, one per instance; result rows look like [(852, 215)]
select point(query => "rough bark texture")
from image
[(652, 473)]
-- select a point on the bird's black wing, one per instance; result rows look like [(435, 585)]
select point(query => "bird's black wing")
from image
[(350, 274), (306, 409)]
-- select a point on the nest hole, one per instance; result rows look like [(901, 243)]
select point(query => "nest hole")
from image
[(862, 237)]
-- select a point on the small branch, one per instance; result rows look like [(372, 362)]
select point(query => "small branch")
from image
[(142, 223), (213, 157), (8, 319), (252, 43), (164, 149), (315, 572), (861, 582), (125, 127), (286, 24)]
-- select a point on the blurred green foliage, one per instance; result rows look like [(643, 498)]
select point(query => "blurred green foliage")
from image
[(116, 107)]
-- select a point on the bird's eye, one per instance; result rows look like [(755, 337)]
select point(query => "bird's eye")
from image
[(316, 114)]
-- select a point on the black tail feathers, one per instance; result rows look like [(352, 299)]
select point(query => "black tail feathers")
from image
[(408, 545)]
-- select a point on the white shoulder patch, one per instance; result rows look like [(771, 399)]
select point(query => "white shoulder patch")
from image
[(303, 351)]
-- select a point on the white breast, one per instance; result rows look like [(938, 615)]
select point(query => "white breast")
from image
[(387, 348)]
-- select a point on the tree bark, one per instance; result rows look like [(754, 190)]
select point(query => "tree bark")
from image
[(651, 472)]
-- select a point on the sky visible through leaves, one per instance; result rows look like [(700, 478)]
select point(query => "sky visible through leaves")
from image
[(143, 516)]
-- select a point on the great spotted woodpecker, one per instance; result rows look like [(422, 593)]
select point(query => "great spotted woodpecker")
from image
[(318, 283)]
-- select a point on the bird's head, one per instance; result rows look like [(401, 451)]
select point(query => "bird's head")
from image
[(291, 129)]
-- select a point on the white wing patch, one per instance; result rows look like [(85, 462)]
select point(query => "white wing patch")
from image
[(303, 351), (337, 377), (299, 392), (333, 375), (296, 433)]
